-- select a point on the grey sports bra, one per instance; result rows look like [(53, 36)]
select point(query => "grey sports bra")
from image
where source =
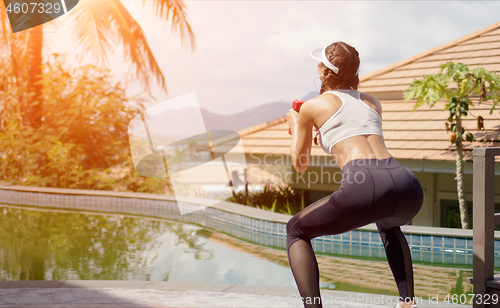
[(353, 118)]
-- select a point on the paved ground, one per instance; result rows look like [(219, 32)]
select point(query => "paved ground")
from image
[(89, 294)]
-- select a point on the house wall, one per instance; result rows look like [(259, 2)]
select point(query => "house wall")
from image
[(427, 216), (445, 188), (318, 182)]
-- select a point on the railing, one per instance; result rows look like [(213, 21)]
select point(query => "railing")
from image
[(486, 285)]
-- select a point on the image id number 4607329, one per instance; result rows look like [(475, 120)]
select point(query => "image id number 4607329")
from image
[(22, 7), (486, 299), (26, 14)]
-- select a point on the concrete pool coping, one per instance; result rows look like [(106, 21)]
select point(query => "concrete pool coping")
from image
[(100, 293)]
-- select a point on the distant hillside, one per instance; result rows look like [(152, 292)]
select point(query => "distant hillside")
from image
[(178, 120), (245, 119), (250, 117)]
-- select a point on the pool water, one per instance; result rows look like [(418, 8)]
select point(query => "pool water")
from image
[(38, 244), (50, 244)]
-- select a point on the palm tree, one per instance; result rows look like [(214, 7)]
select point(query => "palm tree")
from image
[(96, 24)]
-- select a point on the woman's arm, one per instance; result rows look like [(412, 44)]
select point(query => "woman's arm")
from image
[(300, 149)]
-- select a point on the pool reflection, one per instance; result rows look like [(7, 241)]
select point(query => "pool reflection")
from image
[(38, 244)]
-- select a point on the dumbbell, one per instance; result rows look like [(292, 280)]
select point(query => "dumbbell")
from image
[(296, 106)]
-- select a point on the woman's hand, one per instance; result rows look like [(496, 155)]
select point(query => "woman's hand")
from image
[(292, 118)]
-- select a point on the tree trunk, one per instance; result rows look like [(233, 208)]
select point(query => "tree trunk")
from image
[(14, 54), (464, 214), (33, 111)]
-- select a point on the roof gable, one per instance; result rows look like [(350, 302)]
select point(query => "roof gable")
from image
[(481, 48)]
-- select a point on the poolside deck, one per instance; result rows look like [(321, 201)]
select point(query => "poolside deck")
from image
[(79, 293)]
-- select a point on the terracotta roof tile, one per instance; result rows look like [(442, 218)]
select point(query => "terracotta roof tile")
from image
[(444, 155), (396, 135), (484, 62), (493, 32), (373, 90), (389, 116), (409, 124), (433, 144), (407, 73), (479, 48), (413, 145), (417, 65), (395, 144), (425, 154), (494, 68), (404, 153), (265, 134), (388, 82), (484, 38), (390, 106)]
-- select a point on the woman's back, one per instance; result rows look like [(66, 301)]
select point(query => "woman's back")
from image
[(327, 107)]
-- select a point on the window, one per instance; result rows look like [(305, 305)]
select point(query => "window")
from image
[(450, 214)]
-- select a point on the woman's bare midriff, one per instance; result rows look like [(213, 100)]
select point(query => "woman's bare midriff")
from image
[(359, 147), (356, 147)]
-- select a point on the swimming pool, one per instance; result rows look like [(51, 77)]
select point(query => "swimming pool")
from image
[(39, 244), (254, 232), (49, 244)]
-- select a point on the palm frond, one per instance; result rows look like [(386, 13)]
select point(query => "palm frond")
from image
[(175, 10), (135, 44), (92, 28)]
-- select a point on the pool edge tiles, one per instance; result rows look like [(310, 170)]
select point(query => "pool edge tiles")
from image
[(254, 225)]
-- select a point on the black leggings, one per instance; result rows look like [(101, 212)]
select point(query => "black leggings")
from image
[(371, 190)]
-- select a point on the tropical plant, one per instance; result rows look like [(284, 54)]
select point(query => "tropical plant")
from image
[(97, 24), (274, 198), (83, 141), (462, 88)]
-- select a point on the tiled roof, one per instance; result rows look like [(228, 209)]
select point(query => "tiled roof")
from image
[(481, 48), (410, 134)]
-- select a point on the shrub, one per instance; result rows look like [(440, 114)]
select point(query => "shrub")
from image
[(83, 140), (275, 198)]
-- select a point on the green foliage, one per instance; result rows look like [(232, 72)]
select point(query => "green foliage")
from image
[(455, 83), (83, 140), (430, 89), (280, 199)]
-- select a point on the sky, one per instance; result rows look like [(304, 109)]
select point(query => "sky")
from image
[(250, 53)]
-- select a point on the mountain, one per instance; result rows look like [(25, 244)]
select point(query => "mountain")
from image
[(179, 121), (249, 117), (246, 118)]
